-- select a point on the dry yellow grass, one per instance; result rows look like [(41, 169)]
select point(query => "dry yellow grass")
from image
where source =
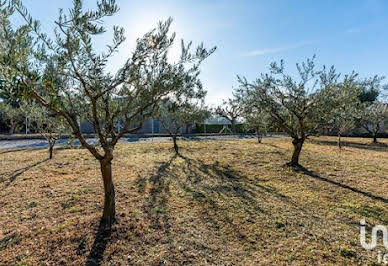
[(221, 202)]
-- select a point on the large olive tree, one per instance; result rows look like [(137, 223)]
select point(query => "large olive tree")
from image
[(79, 71), (294, 104)]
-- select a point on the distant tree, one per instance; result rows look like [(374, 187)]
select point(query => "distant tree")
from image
[(175, 115), (295, 106), (11, 116), (231, 110), (259, 121), (373, 118), (344, 109), (69, 68), (255, 117), (184, 106), (47, 124)]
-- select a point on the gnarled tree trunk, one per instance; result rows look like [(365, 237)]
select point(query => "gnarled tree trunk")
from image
[(298, 144), (108, 216)]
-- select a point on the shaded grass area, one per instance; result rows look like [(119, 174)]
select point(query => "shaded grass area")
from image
[(219, 202)]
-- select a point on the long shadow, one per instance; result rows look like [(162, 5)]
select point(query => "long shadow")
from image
[(14, 175), (158, 198), (230, 180), (14, 150), (99, 245), (324, 179), (215, 188), (244, 193), (380, 147), (156, 201)]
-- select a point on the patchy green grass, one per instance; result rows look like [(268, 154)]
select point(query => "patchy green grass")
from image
[(221, 202)]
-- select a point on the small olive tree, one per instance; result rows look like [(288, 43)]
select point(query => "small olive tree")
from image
[(344, 109), (182, 107), (231, 110), (174, 116), (255, 117), (47, 124), (373, 117), (257, 120), (69, 67), (294, 105)]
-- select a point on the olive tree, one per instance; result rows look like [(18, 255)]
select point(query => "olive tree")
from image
[(184, 106), (373, 117), (47, 124), (258, 120), (174, 115), (230, 109), (294, 105), (255, 117), (79, 71), (344, 109)]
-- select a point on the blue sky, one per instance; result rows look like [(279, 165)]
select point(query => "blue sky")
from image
[(349, 34)]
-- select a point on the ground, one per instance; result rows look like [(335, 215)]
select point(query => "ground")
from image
[(220, 202)]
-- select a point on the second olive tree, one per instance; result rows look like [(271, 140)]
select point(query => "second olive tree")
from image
[(294, 105)]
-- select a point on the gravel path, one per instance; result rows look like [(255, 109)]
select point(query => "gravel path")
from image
[(41, 143)]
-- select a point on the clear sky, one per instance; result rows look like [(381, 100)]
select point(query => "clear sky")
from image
[(349, 34)]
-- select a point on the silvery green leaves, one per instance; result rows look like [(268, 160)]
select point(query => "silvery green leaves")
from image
[(73, 80), (298, 105)]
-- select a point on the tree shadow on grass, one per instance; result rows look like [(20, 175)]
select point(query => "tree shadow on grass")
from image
[(15, 174), (155, 207), (344, 186), (228, 198), (101, 240), (219, 189), (14, 150), (220, 193), (226, 182), (380, 147)]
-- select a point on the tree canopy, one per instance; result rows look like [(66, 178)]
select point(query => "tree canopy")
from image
[(68, 74)]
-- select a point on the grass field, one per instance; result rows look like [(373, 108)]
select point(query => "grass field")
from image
[(221, 202)]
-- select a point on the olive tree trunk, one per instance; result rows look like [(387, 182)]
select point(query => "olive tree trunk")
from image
[(259, 138), (108, 216), (233, 122), (298, 144), (176, 148), (51, 148), (339, 141), (375, 138)]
